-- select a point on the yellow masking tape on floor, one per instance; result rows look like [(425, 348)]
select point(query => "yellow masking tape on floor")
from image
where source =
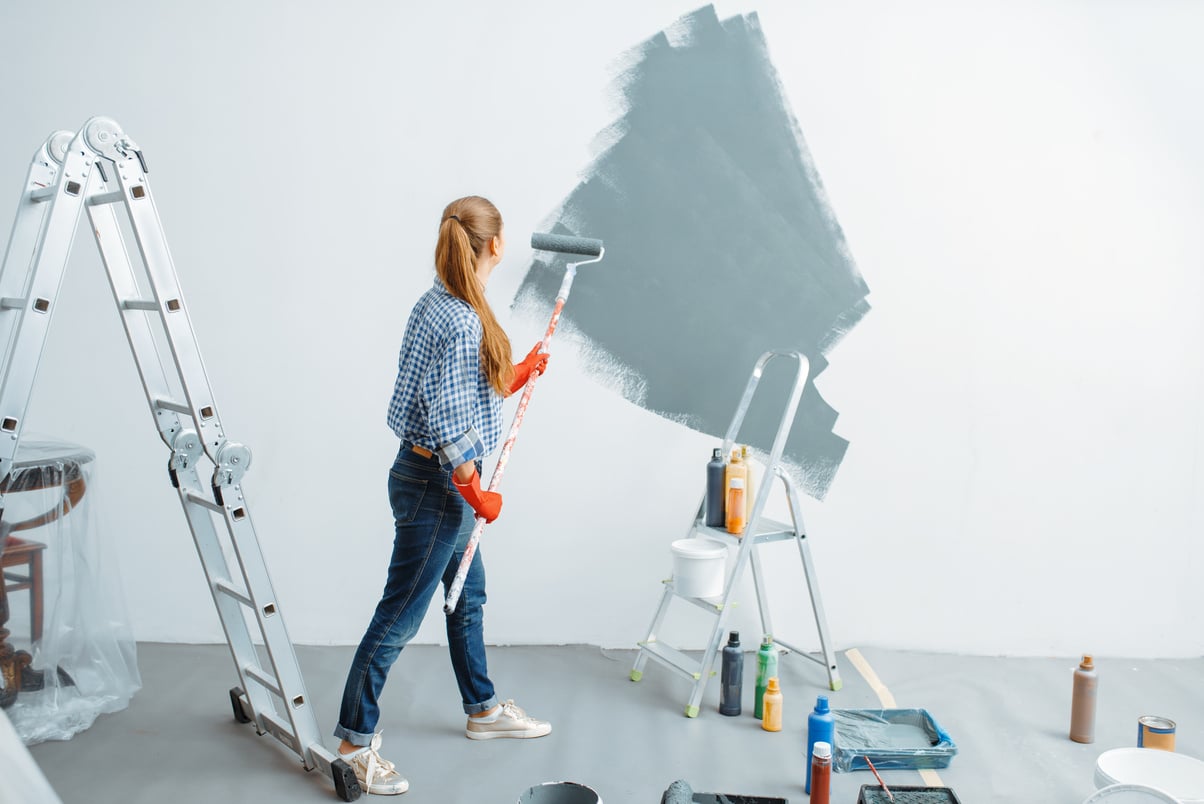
[(887, 700)]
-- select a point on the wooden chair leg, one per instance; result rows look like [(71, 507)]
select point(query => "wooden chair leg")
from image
[(35, 596)]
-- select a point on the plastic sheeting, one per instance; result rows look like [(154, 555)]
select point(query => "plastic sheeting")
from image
[(891, 738), (68, 654)]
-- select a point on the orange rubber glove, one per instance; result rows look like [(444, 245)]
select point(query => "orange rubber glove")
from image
[(486, 503), (535, 360)]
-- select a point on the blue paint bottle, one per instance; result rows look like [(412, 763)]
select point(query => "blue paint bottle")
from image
[(820, 725), (716, 491)]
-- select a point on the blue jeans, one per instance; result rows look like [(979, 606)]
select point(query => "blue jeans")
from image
[(433, 524)]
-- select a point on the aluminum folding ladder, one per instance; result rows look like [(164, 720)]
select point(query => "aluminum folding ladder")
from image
[(759, 531), (102, 170)]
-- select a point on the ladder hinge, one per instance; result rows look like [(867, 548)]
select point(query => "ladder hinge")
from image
[(233, 460)]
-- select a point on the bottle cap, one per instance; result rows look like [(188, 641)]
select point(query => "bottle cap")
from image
[(821, 704), (1087, 663), (733, 638), (717, 454), (772, 685), (766, 641), (822, 750)]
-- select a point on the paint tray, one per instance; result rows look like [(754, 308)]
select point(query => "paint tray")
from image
[(893, 739), (874, 794)]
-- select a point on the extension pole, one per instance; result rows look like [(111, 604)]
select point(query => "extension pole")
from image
[(572, 245)]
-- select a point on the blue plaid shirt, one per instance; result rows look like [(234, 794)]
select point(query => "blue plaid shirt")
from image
[(442, 400)]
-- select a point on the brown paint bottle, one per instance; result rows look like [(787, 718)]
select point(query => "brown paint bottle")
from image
[(1082, 703)]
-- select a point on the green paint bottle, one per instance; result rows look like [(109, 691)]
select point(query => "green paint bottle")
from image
[(767, 668)]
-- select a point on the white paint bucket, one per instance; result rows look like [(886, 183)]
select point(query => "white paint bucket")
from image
[(559, 793), (1177, 774), (1130, 794), (698, 567)]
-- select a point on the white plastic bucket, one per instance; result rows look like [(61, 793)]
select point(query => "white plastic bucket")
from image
[(1130, 794), (698, 567), (559, 793), (1177, 774)]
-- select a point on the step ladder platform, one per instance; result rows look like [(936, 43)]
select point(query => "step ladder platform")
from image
[(766, 530)]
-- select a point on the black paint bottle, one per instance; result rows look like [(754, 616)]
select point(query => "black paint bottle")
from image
[(731, 676), (716, 491)]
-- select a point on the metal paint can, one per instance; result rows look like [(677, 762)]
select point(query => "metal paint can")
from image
[(1155, 732)]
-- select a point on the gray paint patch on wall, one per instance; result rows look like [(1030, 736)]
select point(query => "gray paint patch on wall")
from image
[(720, 244)]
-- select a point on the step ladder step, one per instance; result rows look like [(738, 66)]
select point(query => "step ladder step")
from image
[(229, 591), (42, 194), (106, 198), (264, 680), (204, 502), (152, 306), (174, 407), (711, 605), (140, 304), (17, 303), (674, 659)]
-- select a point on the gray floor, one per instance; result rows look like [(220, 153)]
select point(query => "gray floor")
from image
[(178, 743)]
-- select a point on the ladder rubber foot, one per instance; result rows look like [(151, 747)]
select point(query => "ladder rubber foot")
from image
[(836, 685), (691, 711), (236, 703), (345, 784), (636, 675)]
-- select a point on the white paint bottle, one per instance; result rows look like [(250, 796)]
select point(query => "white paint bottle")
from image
[(1082, 702)]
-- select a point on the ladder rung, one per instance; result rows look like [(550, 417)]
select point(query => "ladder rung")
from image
[(706, 604), (42, 193), (106, 198), (769, 530), (673, 658), (140, 304), (204, 502), (12, 303), (800, 652), (230, 591), (263, 679), (175, 407)]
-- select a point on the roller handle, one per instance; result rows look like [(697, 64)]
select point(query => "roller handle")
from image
[(586, 246)]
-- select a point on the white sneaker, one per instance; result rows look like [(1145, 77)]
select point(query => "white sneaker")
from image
[(511, 721), (376, 774)]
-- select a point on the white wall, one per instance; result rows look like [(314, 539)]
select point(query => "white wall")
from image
[(1019, 183)]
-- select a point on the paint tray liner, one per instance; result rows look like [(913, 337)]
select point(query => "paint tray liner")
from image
[(891, 738), (874, 794)]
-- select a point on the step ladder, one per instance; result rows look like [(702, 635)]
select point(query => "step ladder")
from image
[(100, 169), (759, 531)]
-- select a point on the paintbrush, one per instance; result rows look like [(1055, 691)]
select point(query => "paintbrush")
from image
[(889, 794)]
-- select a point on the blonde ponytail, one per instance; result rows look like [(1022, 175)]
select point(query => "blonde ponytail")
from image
[(467, 227)]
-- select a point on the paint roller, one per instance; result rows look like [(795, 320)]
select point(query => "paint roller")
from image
[(567, 244), (585, 246)]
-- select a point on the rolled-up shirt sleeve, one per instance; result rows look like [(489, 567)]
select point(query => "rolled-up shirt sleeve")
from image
[(451, 395)]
